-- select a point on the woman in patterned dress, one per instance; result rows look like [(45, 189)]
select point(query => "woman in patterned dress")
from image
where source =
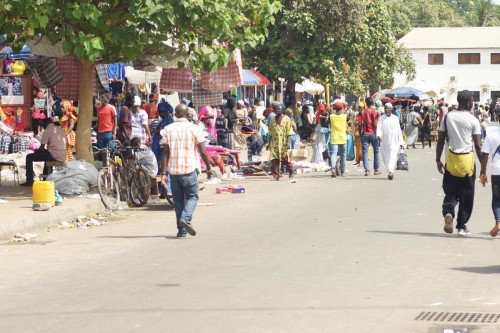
[(280, 132), (67, 122)]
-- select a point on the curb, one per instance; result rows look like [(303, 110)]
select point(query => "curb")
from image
[(53, 216)]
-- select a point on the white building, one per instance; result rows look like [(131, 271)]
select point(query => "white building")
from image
[(456, 59)]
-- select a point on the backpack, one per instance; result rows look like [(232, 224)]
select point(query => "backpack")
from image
[(402, 163)]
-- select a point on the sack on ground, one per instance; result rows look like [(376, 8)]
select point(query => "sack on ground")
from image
[(460, 164)]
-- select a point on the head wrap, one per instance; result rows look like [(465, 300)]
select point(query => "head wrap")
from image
[(137, 101), (338, 105)]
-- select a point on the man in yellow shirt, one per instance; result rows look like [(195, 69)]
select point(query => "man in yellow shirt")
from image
[(338, 125)]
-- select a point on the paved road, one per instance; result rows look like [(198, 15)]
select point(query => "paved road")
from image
[(358, 254)]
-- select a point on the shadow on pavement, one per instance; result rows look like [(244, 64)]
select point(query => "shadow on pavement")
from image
[(479, 270), (428, 234)]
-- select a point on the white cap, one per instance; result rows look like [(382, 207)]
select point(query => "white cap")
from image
[(137, 101)]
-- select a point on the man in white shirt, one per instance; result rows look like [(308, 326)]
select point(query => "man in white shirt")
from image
[(491, 147), (390, 136), (463, 133)]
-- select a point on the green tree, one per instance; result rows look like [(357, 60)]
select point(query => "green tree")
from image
[(483, 13), (350, 41), (205, 31), (409, 14)]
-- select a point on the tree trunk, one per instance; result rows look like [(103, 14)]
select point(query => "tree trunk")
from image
[(83, 131), (290, 93)]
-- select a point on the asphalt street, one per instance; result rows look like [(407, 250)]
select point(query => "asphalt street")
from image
[(355, 254)]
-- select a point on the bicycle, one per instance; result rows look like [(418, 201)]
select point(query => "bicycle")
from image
[(108, 182), (138, 179)]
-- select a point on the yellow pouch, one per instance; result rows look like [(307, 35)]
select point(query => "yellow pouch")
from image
[(460, 164)]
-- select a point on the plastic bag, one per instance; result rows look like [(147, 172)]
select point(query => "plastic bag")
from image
[(75, 178)]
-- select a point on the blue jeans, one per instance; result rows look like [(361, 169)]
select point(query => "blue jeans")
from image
[(495, 201), (185, 195), (103, 139), (334, 149), (366, 140)]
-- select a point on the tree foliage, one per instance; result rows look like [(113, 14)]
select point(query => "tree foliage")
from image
[(126, 30), (350, 41), (409, 14), (204, 31)]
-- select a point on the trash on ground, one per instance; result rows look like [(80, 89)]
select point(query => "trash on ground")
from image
[(84, 222), (18, 237)]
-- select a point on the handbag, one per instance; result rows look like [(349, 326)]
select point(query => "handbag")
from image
[(460, 164)]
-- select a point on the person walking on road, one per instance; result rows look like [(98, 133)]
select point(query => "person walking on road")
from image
[(491, 147), (411, 129), (426, 127), (463, 133), (338, 123), (369, 118), (181, 161), (280, 132), (390, 136)]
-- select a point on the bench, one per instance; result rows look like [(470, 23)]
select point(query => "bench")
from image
[(14, 167), (50, 168)]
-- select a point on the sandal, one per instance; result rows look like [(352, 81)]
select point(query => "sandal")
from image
[(367, 173), (376, 173)]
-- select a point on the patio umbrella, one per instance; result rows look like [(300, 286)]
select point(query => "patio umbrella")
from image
[(309, 87), (254, 78), (404, 93), (430, 88)]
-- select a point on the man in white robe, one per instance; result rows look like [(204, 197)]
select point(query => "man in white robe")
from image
[(391, 138)]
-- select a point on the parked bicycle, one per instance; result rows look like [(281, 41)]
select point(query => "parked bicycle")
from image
[(122, 179)]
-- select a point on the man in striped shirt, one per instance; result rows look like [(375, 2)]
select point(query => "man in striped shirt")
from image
[(181, 161)]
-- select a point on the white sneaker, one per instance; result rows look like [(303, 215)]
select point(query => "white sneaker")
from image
[(224, 176), (463, 232)]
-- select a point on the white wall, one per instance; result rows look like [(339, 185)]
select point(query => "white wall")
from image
[(471, 77)]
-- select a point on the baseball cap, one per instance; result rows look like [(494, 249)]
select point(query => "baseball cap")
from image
[(464, 96)]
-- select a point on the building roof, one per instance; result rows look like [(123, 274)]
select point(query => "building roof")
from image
[(452, 38)]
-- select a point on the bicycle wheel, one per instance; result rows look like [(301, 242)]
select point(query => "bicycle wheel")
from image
[(123, 184), (109, 191), (140, 188)]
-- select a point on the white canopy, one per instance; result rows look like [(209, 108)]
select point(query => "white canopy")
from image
[(309, 87), (141, 77)]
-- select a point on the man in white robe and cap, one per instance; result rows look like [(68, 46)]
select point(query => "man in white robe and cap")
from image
[(391, 138)]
